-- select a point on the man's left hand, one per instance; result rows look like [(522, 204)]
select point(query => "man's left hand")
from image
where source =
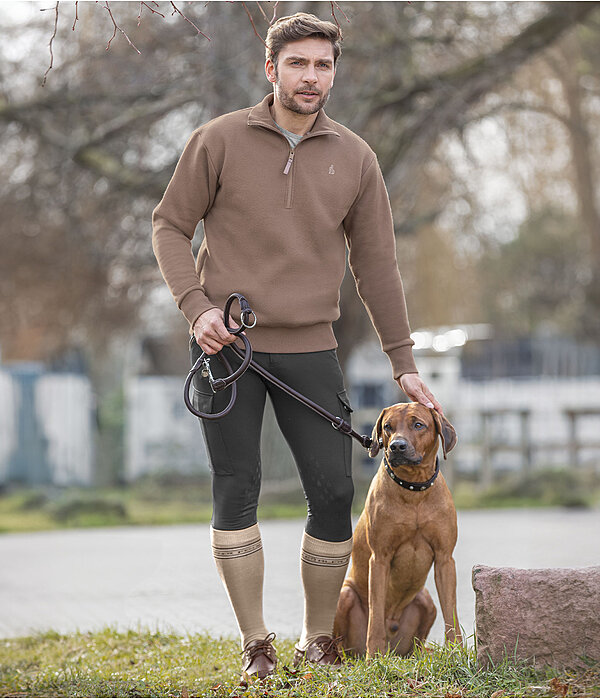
[(416, 390)]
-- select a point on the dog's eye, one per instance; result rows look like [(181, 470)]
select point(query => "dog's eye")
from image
[(387, 427), (417, 425)]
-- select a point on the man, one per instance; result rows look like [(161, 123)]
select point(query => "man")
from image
[(282, 189)]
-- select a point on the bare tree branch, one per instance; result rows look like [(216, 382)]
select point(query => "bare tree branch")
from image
[(176, 9), (525, 107), (103, 163), (264, 14), (413, 116), (444, 98), (335, 5), (116, 26), (154, 12), (50, 44), (252, 23), (130, 117), (496, 66)]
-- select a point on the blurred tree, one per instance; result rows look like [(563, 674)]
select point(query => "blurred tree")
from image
[(543, 152), (535, 280), (577, 60)]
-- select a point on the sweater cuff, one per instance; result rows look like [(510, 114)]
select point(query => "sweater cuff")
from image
[(193, 305), (402, 361)]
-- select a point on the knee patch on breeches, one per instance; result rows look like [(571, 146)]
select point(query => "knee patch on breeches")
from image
[(329, 511), (235, 501)]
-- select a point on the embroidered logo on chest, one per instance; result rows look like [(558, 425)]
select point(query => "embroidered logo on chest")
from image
[(331, 170)]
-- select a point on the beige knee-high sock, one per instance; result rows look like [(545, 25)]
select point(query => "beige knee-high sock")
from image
[(323, 568), (239, 558)]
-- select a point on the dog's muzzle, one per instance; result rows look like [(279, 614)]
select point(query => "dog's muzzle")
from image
[(401, 452)]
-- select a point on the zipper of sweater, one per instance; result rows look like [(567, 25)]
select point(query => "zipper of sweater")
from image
[(288, 165)]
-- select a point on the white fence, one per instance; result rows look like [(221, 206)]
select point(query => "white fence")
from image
[(547, 402), (161, 434), (515, 424), (47, 427), (8, 435)]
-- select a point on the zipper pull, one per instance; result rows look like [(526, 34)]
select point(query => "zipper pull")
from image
[(288, 165)]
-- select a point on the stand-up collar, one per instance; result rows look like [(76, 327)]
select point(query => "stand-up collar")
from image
[(260, 115)]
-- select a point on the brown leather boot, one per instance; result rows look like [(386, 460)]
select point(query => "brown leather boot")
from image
[(324, 651), (259, 659)]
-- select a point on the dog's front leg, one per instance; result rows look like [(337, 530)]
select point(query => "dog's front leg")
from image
[(445, 582), (379, 568)]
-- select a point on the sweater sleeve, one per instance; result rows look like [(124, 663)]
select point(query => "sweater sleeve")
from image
[(372, 257), (187, 199)]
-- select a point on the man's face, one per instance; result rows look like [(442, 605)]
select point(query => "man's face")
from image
[(304, 75)]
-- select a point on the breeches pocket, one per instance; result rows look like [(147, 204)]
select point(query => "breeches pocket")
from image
[(345, 411), (206, 401), (216, 446)]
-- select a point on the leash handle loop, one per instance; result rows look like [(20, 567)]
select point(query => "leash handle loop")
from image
[(221, 383), (245, 313)]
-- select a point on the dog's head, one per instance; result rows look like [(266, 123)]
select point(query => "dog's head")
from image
[(408, 433)]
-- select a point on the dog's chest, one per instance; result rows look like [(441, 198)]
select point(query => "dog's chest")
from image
[(409, 534), (414, 551), (409, 566), (405, 524)]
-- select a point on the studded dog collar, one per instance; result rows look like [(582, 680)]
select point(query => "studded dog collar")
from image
[(413, 485)]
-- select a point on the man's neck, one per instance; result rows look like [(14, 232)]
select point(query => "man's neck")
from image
[(292, 121)]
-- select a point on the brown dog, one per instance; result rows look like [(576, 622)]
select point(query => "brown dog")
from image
[(407, 525)]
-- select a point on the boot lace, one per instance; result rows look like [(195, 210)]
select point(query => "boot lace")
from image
[(331, 645), (263, 646)]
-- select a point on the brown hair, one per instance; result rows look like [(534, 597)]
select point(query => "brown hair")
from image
[(301, 26)]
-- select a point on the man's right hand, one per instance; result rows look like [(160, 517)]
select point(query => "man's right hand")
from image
[(210, 332)]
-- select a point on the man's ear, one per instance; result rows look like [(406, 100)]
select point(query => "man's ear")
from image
[(270, 71), (376, 436), (446, 431)]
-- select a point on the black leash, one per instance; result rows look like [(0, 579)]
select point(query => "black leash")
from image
[(218, 384)]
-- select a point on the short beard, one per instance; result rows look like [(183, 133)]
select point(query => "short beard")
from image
[(287, 100)]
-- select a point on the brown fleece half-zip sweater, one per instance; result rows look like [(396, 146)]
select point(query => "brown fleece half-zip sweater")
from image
[(276, 223)]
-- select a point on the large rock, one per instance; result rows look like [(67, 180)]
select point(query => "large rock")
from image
[(547, 616)]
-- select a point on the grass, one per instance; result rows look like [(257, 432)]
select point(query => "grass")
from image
[(144, 664), (177, 499)]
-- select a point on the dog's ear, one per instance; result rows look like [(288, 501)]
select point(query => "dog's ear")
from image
[(445, 430), (376, 436)]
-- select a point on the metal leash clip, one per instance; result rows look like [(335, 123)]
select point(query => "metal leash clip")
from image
[(206, 373)]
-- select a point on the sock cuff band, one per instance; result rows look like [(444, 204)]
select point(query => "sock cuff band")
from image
[(323, 553), (231, 544)]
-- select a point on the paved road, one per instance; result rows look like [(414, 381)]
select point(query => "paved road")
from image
[(164, 577)]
